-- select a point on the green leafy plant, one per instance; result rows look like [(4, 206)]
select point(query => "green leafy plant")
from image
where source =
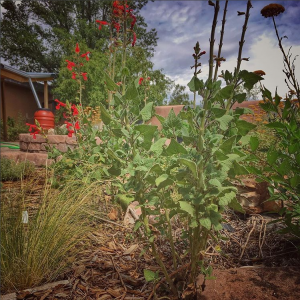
[(11, 170), (282, 162), (15, 126)]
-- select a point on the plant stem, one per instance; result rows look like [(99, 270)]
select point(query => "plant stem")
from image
[(239, 60), (287, 62), (221, 38), (212, 40), (167, 213), (124, 50)]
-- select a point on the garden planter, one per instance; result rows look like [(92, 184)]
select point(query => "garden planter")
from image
[(45, 117)]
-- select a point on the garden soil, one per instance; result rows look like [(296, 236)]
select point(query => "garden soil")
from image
[(252, 262)]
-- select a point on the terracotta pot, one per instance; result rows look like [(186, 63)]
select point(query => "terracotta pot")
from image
[(45, 117)]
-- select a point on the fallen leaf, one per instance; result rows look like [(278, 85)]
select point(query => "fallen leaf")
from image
[(113, 215), (131, 249)]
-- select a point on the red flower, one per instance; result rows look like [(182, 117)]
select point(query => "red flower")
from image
[(77, 127), (117, 26), (75, 110), (101, 23), (65, 115), (84, 75), (73, 75), (68, 124), (148, 78), (70, 133), (34, 133), (119, 83), (59, 104), (141, 80), (134, 39), (77, 50), (70, 65), (133, 20), (31, 126), (86, 55), (203, 52)]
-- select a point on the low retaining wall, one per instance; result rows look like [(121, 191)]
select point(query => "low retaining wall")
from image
[(38, 145)]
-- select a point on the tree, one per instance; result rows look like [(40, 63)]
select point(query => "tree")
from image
[(46, 30), (178, 96)]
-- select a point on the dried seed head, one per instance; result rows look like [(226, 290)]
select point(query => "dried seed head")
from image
[(259, 72), (272, 10)]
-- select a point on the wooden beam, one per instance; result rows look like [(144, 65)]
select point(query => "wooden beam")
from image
[(46, 103), (3, 110), (17, 77)]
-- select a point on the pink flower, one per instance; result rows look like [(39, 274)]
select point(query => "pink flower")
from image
[(134, 39), (84, 75), (101, 23), (86, 55), (73, 75), (70, 65), (141, 80), (77, 50), (77, 127), (148, 78)]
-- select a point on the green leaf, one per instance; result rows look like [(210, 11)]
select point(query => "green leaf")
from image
[(146, 112), (105, 116), (224, 121), (218, 112), (161, 179), (111, 85), (132, 94), (205, 222), (239, 169), (276, 125), (150, 275), (187, 207), (174, 148), (272, 156), (250, 79), (226, 198), (227, 145), (244, 127), (236, 206), (294, 181), (240, 97), (190, 164), (225, 92), (157, 147), (124, 200), (125, 72), (195, 84), (254, 142)]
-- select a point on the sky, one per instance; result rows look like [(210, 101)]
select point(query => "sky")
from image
[(180, 24)]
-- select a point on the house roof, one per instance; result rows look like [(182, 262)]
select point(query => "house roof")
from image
[(22, 76)]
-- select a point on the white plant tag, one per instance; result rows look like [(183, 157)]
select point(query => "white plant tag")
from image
[(25, 217)]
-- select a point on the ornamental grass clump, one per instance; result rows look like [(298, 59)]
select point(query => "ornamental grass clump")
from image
[(37, 250)]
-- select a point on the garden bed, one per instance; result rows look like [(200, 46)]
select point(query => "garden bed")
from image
[(253, 262)]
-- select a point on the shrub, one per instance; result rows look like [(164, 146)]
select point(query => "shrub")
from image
[(15, 126), (10, 170)]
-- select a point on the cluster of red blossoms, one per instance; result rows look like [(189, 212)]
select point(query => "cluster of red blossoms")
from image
[(73, 113), (119, 12), (72, 65), (142, 79), (33, 129)]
